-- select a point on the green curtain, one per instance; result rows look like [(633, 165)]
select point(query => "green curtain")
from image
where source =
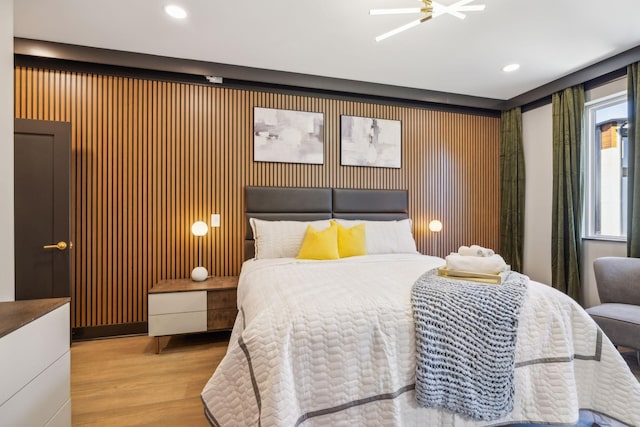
[(512, 176), (566, 240), (633, 213)]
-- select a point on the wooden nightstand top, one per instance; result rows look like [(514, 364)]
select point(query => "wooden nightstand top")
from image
[(186, 285)]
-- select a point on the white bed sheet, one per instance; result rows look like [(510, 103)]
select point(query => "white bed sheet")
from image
[(320, 343)]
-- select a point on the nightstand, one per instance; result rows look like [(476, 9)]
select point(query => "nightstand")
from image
[(182, 306)]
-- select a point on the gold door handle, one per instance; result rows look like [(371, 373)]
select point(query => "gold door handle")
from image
[(61, 246)]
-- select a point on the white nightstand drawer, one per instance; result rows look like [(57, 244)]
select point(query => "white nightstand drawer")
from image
[(182, 306), (177, 302), (177, 323)]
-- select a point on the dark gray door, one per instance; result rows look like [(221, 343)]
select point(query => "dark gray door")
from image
[(42, 152)]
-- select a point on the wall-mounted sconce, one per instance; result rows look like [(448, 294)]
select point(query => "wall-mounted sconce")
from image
[(435, 226)]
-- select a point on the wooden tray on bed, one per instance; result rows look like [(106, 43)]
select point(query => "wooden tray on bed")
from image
[(494, 279)]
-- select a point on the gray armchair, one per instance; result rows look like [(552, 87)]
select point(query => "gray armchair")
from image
[(618, 315)]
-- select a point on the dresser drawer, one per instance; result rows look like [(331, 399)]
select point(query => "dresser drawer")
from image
[(177, 323), (36, 364), (62, 418), (177, 302), (30, 350), (222, 299), (50, 391), (221, 319)]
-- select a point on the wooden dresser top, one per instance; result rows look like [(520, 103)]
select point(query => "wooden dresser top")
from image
[(16, 314)]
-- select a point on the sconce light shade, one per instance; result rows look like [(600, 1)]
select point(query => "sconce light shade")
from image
[(435, 226), (199, 228)]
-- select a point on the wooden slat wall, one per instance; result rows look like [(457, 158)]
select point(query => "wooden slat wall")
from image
[(151, 157)]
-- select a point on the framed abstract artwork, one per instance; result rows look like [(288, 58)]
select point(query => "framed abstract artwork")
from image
[(288, 136), (370, 142)]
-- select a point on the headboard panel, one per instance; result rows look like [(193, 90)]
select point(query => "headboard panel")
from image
[(309, 204), (378, 205), (287, 199), (283, 204)]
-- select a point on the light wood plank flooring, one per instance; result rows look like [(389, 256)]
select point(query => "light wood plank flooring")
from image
[(122, 382)]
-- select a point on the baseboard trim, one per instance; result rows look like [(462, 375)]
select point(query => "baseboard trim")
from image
[(108, 331)]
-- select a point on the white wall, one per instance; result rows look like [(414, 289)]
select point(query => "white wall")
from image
[(7, 270), (618, 85), (537, 139), (537, 133)]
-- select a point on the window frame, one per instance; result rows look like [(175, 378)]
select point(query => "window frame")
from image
[(592, 163)]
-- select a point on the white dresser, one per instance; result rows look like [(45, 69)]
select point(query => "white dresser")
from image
[(35, 363)]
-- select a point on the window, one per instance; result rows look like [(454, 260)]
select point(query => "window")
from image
[(606, 168)]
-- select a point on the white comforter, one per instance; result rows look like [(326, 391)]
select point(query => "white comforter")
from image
[(331, 343)]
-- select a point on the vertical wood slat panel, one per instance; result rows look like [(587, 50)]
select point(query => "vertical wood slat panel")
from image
[(151, 157)]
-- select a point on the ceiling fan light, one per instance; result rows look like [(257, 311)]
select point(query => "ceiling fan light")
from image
[(431, 9)]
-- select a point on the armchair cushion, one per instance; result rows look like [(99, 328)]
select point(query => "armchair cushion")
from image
[(619, 322), (618, 281)]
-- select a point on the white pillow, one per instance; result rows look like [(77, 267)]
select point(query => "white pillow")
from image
[(281, 239), (386, 237)]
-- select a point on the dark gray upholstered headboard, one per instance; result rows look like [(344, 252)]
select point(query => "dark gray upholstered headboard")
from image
[(378, 205), (310, 204)]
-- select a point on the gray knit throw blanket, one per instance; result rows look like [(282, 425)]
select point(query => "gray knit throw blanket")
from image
[(465, 342)]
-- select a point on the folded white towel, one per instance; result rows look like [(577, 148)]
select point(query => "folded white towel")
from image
[(491, 264), (475, 250)]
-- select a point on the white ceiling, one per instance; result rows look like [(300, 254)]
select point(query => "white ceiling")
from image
[(335, 38)]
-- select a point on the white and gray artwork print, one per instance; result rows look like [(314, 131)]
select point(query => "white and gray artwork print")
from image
[(288, 136), (370, 142)]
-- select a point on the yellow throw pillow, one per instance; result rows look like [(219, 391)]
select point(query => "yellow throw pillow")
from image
[(351, 241), (320, 244)]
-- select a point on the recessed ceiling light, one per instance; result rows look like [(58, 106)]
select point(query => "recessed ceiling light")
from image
[(175, 11), (511, 67)]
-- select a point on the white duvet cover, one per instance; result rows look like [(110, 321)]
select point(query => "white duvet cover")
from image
[(332, 343)]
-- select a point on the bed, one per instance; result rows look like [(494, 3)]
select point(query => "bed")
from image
[(333, 342)]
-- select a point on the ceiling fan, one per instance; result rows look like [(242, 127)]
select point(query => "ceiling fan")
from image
[(430, 9)]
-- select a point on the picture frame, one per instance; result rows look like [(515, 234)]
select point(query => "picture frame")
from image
[(372, 142), (288, 136)]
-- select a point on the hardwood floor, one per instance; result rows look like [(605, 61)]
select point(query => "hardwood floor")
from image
[(122, 382)]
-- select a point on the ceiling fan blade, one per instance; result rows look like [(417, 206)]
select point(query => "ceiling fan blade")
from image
[(401, 11), (460, 3), (456, 9), (472, 8), (441, 10), (403, 28)]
